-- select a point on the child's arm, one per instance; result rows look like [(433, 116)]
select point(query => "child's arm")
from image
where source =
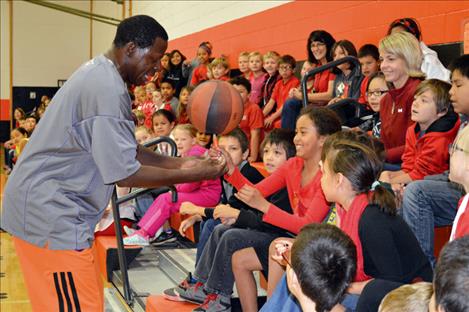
[(266, 187), (254, 145), (269, 120), (268, 107), (400, 177)]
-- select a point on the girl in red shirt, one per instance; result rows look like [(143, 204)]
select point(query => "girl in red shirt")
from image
[(300, 175)]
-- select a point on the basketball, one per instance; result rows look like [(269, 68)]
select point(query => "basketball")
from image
[(215, 107)]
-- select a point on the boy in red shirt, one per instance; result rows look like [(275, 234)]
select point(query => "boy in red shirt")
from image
[(281, 90), (220, 69), (427, 141), (253, 120)]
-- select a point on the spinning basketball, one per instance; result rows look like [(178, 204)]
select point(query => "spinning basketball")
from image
[(215, 107)]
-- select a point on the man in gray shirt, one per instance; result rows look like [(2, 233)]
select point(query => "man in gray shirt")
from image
[(64, 178)]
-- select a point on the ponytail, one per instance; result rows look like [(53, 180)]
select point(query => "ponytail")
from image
[(384, 199)]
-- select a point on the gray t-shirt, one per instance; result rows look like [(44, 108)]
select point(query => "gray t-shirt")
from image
[(64, 178)]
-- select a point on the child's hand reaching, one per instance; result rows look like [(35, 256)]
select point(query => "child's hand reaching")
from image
[(282, 246), (225, 212), (191, 209), (187, 223), (252, 197)]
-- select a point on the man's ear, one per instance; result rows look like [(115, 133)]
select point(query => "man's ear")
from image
[(130, 48)]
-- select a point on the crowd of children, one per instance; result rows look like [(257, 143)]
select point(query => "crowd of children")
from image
[(359, 180), (343, 217)]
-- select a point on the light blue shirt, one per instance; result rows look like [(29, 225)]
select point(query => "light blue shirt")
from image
[(64, 178)]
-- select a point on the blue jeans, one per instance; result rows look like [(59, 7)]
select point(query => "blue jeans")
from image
[(290, 112), (206, 229), (283, 301), (429, 203)]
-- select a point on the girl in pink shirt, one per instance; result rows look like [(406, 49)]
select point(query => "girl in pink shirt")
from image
[(204, 193)]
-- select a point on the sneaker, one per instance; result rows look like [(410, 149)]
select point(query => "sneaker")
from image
[(215, 303), (129, 231), (136, 239), (173, 295), (164, 238), (194, 294)]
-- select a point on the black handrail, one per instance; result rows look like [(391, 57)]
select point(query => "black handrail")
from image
[(322, 68), (115, 202)]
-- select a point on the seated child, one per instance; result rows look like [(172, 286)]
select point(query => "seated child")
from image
[(408, 298), (14, 146), (220, 69), (243, 64), (181, 112), (243, 228), (323, 264), (199, 74), (205, 192), (139, 118), (237, 145), (366, 211), (450, 284), (348, 77), (257, 77), (375, 91), (436, 126), (163, 122), (204, 139), (459, 173), (368, 56), (167, 93), (280, 93), (253, 120), (270, 60)]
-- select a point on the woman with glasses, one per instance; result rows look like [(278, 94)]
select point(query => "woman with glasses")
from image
[(319, 47)]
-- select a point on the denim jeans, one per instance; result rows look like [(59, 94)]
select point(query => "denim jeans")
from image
[(290, 112), (283, 301), (214, 266), (429, 203), (206, 229)]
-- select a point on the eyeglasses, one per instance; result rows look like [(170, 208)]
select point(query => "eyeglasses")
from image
[(317, 45), (453, 147), (376, 93), (284, 67)]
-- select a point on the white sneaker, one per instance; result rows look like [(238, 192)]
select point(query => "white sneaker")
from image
[(129, 231), (136, 239)]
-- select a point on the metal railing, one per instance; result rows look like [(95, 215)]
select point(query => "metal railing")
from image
[(127, 292), (322, 68)]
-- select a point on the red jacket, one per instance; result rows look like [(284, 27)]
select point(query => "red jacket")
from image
[(429, 154), (395, 110)]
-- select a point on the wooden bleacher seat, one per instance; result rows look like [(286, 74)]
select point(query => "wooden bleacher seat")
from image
[(160, 304), (106, 254)]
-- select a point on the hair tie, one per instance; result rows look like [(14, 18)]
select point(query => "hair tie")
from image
[(374, 185)]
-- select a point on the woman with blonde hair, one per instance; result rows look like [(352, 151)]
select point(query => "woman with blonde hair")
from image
[(401, 59)]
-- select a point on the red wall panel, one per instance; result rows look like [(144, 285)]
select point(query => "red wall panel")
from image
[(285, 28)]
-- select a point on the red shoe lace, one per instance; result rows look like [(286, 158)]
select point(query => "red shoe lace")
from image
[(210, 297)]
